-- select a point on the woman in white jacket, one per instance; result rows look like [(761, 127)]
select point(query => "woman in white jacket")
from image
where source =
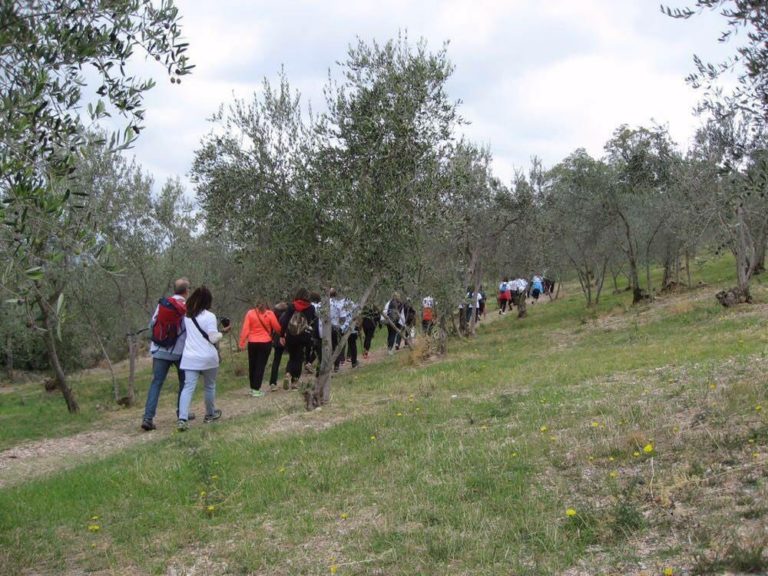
[(200, 355)]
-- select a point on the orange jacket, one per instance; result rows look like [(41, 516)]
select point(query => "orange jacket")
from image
[(258, 327)]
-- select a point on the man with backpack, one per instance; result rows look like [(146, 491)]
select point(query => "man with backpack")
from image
[(168, 336)]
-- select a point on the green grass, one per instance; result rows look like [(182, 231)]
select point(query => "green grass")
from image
[(644, 420)]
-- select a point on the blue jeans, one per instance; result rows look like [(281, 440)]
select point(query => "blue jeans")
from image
[(160, 369), (190, 383)]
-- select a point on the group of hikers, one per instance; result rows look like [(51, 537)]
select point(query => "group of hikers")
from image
[(185, 335)]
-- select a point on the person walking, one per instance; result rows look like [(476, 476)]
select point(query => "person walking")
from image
[(371, 320), (427, 314), (277, 357), (395, 320), (298, 327), (168, 336), (504, 295), (259, 324), (200, 356)]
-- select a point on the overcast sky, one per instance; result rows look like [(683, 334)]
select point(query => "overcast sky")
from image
[(535, 77)]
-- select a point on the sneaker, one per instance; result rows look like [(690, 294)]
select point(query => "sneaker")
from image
[(355, 364), (390, 351), (182, 426), (254, 394), (295, 384), (147, 425), (217, 414), (273, 387), (287, 382)]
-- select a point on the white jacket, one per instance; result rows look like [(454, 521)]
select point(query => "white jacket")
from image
[(199, 353)]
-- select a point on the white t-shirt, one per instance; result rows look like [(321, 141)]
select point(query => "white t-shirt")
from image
[(199, 353)]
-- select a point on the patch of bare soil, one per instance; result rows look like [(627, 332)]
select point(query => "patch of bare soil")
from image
[(120, 430)]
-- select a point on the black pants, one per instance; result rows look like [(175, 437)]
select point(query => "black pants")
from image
[(258, 355), (352, 348), (295, 359), (393, 336), (369, 329), (275, 374), (426, 326)]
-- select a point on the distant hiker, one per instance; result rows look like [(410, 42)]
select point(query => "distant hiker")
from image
[(167, 329), (549, 286), (259, 325), (409, 313), (371, 319), (298, 327), (341, 323), (537, 287), (274, 372), (200, 357), (481, 303), (505, 295), (313, 351), (427, 314), (394, 318)]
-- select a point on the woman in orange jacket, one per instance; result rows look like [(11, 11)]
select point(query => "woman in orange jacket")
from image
[(258, 326)]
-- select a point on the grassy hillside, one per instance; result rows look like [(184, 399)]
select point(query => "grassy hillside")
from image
[(612, 441)]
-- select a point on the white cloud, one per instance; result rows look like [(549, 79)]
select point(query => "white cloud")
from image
[(536, 77)]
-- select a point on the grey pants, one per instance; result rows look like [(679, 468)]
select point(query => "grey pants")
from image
[(190, 383)]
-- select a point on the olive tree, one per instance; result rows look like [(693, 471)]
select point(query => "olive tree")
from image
[(334, 200)]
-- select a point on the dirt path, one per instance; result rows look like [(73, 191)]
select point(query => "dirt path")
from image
[(120, 430)]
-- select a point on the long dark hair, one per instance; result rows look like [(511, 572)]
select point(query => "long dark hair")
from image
[(200, 300)]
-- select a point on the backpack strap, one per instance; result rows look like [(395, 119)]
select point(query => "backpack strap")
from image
[(205, 335)]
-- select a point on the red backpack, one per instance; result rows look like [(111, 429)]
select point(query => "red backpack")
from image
[(167, 326)]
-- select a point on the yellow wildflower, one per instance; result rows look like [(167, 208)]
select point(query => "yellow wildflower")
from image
[(613, 474), (595, 424), (668, 572), (334, 568), (210, 508), (94, 528), (636, 454), (648, 448), (758, 408), (570, 512), (344, 516), (543, 429), (373, 437), (399, 413), (94, 517)]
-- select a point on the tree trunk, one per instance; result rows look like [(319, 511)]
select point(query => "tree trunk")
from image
[(132, 353), (441, 339), (688, 267), (320, 393), (9, 357), (600, 282), (53, 356), (760, 257)]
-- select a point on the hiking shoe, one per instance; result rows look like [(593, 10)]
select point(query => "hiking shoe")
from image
[(287, 382), (182, 426), (390, 351), (216, 414), (147, 425), (273, 387), (295, 384), (254, 394)]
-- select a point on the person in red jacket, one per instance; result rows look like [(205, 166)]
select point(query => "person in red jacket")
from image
[(299, 327), (259, 324)]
